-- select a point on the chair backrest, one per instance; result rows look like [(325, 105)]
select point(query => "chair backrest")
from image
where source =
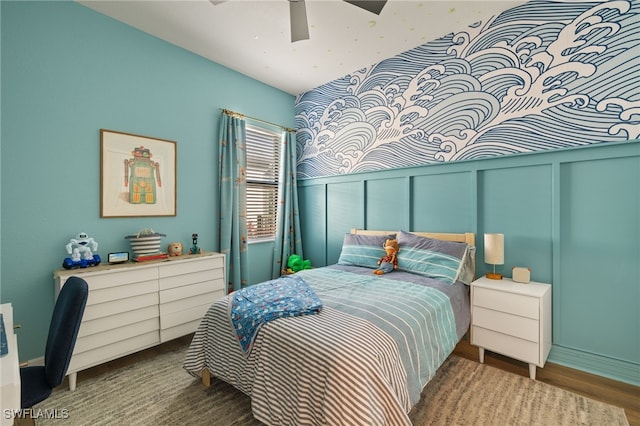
[(63, 330)]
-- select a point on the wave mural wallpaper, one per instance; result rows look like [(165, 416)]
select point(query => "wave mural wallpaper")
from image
[(543, 75)]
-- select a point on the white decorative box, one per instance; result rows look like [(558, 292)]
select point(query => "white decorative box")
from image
[(520, 274)]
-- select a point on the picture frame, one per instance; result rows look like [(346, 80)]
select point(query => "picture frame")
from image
[(137, 175)]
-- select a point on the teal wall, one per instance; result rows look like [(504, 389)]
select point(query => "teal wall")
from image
[(571, 215), (67, 72)]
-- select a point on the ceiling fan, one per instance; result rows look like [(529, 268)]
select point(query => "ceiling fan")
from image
[(298, 14)]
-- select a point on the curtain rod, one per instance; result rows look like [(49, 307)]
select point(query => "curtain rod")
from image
[(237, 114)]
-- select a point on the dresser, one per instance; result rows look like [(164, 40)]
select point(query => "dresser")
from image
[(512, 319), (134, 306), (9, 370)]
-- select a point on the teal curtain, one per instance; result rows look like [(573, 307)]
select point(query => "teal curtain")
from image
[(233, 199), (288, 240)]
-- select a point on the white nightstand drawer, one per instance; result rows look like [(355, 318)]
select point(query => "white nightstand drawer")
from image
[(513, 325), (520, 349), (512, 303)]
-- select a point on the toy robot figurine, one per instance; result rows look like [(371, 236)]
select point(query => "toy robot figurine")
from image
[(143, 179), (82, 249), (194, 248)]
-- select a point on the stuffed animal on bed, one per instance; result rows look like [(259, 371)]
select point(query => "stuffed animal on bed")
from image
[(388, 262)]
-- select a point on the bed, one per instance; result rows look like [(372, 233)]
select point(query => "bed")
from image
[(366, 355)]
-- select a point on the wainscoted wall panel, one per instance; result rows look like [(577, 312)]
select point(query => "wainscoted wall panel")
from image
[(516, 201), (541, 76), (572, 215), (600, 245), (312, 204), (387, 203), (345, 206), (434, 207)]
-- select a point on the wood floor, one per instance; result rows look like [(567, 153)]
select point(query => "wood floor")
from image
[(595, 387)]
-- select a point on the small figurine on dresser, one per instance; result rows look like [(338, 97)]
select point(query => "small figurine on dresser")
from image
[(194, 248), (82, 249), (175, 249), (388, 262)]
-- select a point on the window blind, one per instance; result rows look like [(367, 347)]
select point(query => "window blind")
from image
[(263, 163)]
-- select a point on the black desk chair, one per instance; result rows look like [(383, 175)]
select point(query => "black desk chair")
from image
[(38, 382)]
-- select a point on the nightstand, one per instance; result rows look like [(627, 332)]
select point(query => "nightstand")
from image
[(512, 319)]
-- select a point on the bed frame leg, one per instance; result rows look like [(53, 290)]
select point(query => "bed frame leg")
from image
[(206, 378)]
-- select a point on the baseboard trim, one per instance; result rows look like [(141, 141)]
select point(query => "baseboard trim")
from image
[(622, 371), (36, 361)]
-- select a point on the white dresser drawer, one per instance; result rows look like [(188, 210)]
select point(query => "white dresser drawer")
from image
[(513, 325), (517, 304), (189, 302), (84, 360), (121, 292), (117, 321), (170, 269), (523, 350), (114, 278), (180, 330), (188, 291), (191, 278), (122, 305), (176, 318), (109, 337)]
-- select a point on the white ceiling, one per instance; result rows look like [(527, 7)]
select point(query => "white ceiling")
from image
[(253, 36)]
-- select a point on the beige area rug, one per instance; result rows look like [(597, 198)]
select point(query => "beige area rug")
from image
[(159, 392)]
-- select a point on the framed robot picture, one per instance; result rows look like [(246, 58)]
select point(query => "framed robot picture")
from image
[(137, 175)]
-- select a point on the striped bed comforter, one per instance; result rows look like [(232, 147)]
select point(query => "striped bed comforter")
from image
[(363, 360)]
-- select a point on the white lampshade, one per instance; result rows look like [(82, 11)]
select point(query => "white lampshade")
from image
[(494, 249)]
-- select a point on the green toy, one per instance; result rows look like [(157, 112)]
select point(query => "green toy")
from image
[(296, 263)]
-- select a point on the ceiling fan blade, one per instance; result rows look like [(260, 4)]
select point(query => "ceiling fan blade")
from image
[(299, 26), (373, 6)]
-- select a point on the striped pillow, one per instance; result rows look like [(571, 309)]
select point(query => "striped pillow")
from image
[(363, 250), (430, 257)]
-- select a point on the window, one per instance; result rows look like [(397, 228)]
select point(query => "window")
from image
[(263, 163)]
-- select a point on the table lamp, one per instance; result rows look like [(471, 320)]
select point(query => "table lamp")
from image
[(494, 253)]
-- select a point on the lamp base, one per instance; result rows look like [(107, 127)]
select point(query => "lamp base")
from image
[(493, 276)]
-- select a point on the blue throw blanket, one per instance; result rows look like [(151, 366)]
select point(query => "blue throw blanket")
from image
[(253, 306)]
